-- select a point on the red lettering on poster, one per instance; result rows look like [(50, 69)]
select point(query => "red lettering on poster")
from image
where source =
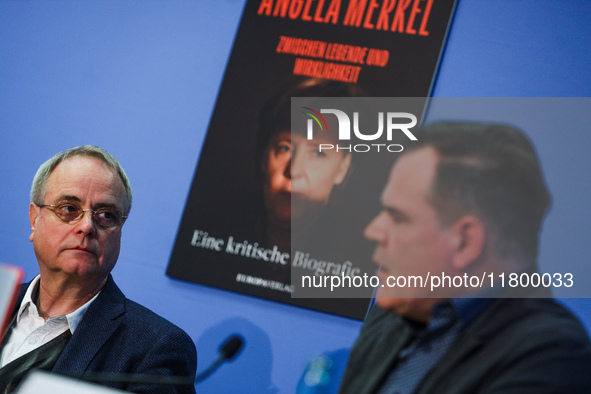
[(404, 14), (373, 4), (398, 22), (386, 9)]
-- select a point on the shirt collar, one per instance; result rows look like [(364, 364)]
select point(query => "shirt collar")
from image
[(469, 308), (73, 318)]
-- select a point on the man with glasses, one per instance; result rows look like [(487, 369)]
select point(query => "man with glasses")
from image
[(72, 319)]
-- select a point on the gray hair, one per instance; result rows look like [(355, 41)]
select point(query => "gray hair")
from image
[(39, 186)]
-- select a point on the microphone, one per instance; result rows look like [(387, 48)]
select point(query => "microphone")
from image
[(232, 345), (227, 351)]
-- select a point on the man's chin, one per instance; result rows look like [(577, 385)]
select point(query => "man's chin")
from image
[(395, 301), (82, 266), (389, 303)]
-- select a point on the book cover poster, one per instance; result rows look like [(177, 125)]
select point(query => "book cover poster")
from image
[(230, 237)]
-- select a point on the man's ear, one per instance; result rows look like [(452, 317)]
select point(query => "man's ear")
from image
[(34, 212), (470, 235)]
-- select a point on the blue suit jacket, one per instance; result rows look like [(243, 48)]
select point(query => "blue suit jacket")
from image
[(117, 335)]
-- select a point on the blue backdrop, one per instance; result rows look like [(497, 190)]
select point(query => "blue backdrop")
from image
[(140, 79)]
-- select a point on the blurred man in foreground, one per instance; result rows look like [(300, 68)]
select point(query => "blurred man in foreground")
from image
[(465, 199), (72, 318)]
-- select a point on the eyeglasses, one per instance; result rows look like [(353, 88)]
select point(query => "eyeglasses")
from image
[(107, 217)]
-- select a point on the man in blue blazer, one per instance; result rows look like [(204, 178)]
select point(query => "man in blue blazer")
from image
[(72, 319)]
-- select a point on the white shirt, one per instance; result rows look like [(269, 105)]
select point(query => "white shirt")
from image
[(31, 331)]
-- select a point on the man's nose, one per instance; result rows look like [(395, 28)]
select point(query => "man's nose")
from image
[(374, 231), (86, 223)]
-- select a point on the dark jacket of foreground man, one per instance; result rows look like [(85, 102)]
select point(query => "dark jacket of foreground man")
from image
[(513, 346)]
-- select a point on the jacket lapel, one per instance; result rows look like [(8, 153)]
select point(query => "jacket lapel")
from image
[(371, 358), (98, 324), (493, 319), (17, 305)]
